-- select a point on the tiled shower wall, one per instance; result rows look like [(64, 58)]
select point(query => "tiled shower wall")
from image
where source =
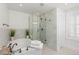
[(51, 29)]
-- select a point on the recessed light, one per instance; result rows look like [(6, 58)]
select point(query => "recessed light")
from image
[(66, 4), (20, 5)]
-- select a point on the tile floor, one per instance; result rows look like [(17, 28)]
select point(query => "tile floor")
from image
[(63, 51)]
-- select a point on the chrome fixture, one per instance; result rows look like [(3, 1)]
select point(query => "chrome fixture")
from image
[(10, 47), (19, 50), (6, 25), (14, 45)]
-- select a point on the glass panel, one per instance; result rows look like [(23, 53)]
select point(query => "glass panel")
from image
[(70, 26), (35, 27), (43, 30), (77, 19), (77, 25), (77, 28)]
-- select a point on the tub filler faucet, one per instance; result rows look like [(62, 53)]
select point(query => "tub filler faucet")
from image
[(14, 45), (11, 47), (19, 50)]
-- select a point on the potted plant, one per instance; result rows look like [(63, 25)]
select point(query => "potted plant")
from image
[(27, 34), (12, 34)]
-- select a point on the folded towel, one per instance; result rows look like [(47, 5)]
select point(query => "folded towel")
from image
[(36, 44)]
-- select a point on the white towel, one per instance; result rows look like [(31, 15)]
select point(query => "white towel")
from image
[(36, 44)]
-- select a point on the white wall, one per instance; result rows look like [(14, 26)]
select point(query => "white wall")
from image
[(60, 27), (22, 21), (4, 32), (18, 20), (3, 14)]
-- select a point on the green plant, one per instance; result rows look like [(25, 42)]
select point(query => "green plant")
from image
[(12, 33), (27, 33)]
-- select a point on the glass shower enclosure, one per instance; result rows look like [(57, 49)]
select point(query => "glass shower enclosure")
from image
[(37, 27)]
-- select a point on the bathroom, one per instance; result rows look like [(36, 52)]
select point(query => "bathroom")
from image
[(16, 23), (44, 24)]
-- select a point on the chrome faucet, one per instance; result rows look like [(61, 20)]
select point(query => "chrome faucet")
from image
[(19, 50), (14, 45), (10, 47)]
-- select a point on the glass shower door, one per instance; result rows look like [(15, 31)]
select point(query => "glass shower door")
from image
[(43, 30), (38, 28), (34, 27)]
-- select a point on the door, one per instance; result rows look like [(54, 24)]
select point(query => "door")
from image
[(43, 30)]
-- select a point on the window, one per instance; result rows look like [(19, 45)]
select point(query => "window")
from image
[(77, 26), (72, 26)]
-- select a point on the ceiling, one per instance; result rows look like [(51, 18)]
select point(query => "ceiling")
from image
[(39, 7)]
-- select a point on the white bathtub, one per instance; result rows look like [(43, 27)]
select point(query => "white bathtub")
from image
[(30, 51), (23, 44)]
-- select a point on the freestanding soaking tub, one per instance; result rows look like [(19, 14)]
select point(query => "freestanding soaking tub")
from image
[(26, 47)]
